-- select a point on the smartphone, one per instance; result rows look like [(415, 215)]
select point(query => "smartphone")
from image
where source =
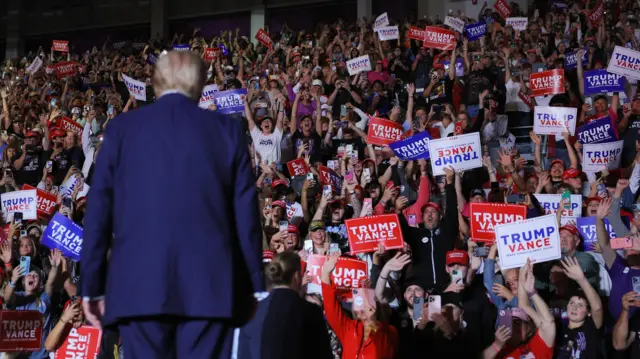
[(284, 225), (621, 243), (256, 85), (25, 262), (334, 248), (515, 198), (23, 233), (332, 164), (49, 166), (52, 104), (457, 277), (343, 111), (367, 202), (601, 189), (635, 282), (348, 176), (566, 195), (326, 190), (348, 148), (66, 202), (17, 217), (366, 172), (505, 318), (354, 154), (417, 308), (435, 305), (458, 128), (412, 220), (437, 108), (110, 110), (481, 252), (342, 124), (389, 184), (309, 176)]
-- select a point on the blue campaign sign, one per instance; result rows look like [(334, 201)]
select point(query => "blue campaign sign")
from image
[(598, 131), (571, 60), (63, 234), (475, 31), (587, 229), (413, 148), (181, 47), (231, 101), (601, 81)]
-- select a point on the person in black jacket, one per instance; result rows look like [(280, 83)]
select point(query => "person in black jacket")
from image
[(434, 238), (285, 325)]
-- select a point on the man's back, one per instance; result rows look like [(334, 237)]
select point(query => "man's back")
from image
[(176, 178)]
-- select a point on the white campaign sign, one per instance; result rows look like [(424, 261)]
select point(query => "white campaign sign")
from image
[(454, 23), (549, 120), (598, 156), (460, 152), (35, 65), (358, 65), (206, 99), (382, 20), (518, 23), (625, 62), (388, 33), (20, 201), (536, 238), (137, 89), (551, 202)]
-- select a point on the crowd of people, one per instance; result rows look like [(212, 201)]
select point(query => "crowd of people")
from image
[(440, 294)]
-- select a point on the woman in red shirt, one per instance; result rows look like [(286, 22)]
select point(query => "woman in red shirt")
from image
[(364, 337)]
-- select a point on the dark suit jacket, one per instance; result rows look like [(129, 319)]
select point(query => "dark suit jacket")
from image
[(174, 185), (285, 327)]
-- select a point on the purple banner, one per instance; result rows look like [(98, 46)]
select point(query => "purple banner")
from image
[(413, 148), (571, 59), (587, 229), (475, 31), (601, 81), (597, 131), (231, 101)]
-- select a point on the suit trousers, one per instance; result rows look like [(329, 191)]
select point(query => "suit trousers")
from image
[(176, 337)]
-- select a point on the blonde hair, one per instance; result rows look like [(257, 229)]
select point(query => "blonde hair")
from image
[(184, 72)]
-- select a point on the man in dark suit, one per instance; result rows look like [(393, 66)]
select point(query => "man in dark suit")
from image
[(173, 204)]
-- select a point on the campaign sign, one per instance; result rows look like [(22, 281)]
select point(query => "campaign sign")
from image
[(502, 8), (413, 148), (264, 38), (207, 97), (366, 233), (383, 132), (517, 23), (83, 342), (597, 131), (349, 273), (152, 59), (46, 201), (461, 152), (549, 120), (416, 33), (359, 64), (439, 38), (63, 234), (21, 330), (587, 228), (595, 15), (536, 238), (475, 31), (210, 53), (137, 89), (484, 217), (601, 81), (181, 47), (19, 201), (454, 23), (625, 62), (331, 178), (67, 188), (571, 59), (298, 167), (231, 101), (67, 124), (35, 65), (551, 202), (65, 69), (548, 82), (596, 157), (61, 45), (559, 4), (388, 33), (382, 20)]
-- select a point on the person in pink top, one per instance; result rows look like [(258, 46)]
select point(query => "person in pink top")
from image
[(379, 73)]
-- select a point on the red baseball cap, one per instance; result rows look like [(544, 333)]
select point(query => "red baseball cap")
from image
[(438, 66), (557, 160), (432, 205), (457, 256), (592, 199), (571, 228), (571, 173), (279, 204), (277, 183), (32, 134), (292, 228), (57, 132), (267, 256)]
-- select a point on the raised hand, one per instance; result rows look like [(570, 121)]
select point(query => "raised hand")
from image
[(604, 208), (572, 269)]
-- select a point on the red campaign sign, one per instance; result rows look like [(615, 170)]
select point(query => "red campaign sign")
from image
[(383, 132), (50, 69), (330, 177), (21, 330), (61, 45), (366, 233), (46, 201), (83, 342), (502, 8), (484, 217), (264, 38), (210, 54), (439, 38), (348, 274), (298, 167), (416, 33), (548, 82), (595, 15), (65, 69), (67, 124)]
